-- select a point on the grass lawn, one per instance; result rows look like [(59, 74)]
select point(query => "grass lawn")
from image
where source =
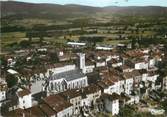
[(114, 42), (7, 38)]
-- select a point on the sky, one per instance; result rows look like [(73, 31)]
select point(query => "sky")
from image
[(102, 3)]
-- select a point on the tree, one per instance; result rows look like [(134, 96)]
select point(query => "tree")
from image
[(127, 111), (164, 105), (29, 35), (11, 80), (24, 44), (133, 43)]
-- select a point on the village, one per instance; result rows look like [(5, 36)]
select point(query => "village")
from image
[(83, 60), (84, 79)]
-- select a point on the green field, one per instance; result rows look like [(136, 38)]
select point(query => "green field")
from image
[(8, 38)]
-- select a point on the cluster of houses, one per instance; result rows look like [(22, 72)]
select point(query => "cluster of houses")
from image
[(100, 80)]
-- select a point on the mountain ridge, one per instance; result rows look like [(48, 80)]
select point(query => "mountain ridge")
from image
[(44, 10)]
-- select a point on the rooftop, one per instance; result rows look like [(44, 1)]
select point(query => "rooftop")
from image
[(47, 110), (23, 92), (57, 102), (71, 93), (112, 97), (69, 75)]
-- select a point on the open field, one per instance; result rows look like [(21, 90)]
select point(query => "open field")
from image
[(11, 37)]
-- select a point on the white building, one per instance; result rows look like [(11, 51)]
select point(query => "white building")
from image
[(111, 103), (128, 82), (92, 92), (3, 88), (152, 77), (141, 65), (152, 62), (76, 44), (24, 98), (74, 97), (104, 47), (100, 63)]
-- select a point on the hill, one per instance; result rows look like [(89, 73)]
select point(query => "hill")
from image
[(17, 10)]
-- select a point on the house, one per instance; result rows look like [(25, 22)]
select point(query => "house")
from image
[(56, 106), (24, 98), (107, 86), (42, 49), (76, 44), (89, 66), (3, 89), (100, 63), (112, 82), (111, 103), (74, 96), (152, 77), (66, 56), (92, 93), (128, 82), (126, 68), (34, 111), (133, 98), (114, 63), (152, 62), (81, 98), (136, 78), (11, 62), (104, 47), (140, 64)]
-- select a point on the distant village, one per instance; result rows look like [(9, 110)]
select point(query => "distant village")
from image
[(77, 81)]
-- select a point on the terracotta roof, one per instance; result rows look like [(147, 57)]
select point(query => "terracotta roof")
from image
[(57, 102), (35, 111), (16, 113), (89, 62), (128, 75), (3, 87), (79, 92), (47, 109), (108, 82), (91, 89), (134, 53), (112, 97), (71, 93), (133, 74), (24, 92), (102, 84)]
